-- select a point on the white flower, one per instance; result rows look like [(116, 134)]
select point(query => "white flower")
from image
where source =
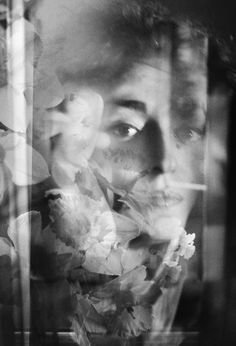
[(186, 245), (81, 219), (181, 246)]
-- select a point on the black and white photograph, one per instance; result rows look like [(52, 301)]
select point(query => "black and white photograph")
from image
[(117, 178)]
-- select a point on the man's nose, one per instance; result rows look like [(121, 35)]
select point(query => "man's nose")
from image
[(159, 148)]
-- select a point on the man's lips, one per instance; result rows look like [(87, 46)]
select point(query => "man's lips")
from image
[(165, 199), (159, 198)]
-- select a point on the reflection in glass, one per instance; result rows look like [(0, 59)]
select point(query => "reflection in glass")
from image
[(118, 176)]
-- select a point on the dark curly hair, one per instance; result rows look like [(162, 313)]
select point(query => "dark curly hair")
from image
[(113, 34)]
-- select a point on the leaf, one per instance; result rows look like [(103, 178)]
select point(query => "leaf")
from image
[(88, 185), (79, 136), (39, 166), (78, 123), (20, 66), (52, 244), (173, 276), (132, 258), (69, 220), (9, 140), (90, 318), (131, 288), (144, 293), (105, 184), (8, 97), (72, 151), (37, 238), (19, 233), (27, 166), (126, 228), (61, 263), (110, 308), (9, 279), (14, 32), (132, 322), (133, 202), (112, 264), (106, 230), (5, 247), (49, 123), (124, 282), (133, 278), (104, 306), (48, 91), (79, 335), (63, 174), (50, 256), (3, 181), (136, 216), (101, 259)]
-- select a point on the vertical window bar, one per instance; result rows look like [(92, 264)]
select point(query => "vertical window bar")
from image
[(17, 77)]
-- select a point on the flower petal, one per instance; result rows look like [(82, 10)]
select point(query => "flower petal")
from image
[(95, 257), (101, 259), (48, 123), (64, 174), (4, 177), (132, 323), (126, 228), (90, 317), (9, 140), (36, 169), (8, 97), (132, 258), (79, 137), (19, 233), (48, 91), (5, 247)]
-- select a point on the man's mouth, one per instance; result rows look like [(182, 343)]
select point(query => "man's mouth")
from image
[(164, 199), (159, 198), (144, 200)]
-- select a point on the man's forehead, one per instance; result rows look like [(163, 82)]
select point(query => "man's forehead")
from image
[(179, 81)]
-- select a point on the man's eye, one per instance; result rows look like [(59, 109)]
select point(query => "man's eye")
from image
[(123, 131), (187, 134)]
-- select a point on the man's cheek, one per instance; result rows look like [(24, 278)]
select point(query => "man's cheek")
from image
[(125, 166), (191, 163), (123, 179), (125, 158), (198, 164)]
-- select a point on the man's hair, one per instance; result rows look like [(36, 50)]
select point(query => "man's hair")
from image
[(112, 34)]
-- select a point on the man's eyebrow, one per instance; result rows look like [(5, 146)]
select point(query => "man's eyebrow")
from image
[(189, 108), (132, 104)]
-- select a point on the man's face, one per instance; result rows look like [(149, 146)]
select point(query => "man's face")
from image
[(155, 121)]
